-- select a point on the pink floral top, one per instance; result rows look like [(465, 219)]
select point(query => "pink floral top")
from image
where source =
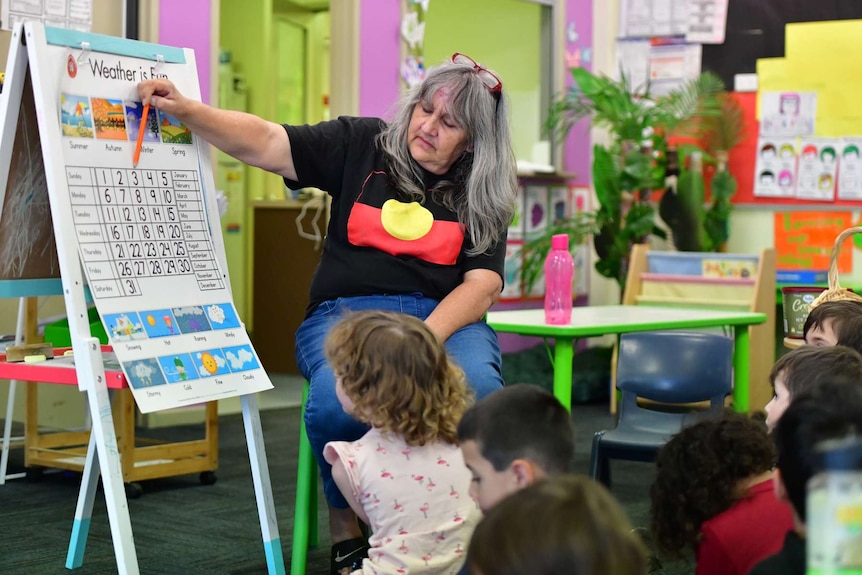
[(416, 499)]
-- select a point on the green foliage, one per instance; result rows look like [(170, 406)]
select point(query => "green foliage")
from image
[(724, 131), (633, 164), (533, 253)]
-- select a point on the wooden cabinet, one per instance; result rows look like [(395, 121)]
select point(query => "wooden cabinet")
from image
[(284, 264)]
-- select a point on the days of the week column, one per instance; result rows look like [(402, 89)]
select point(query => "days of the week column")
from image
[(194, 226), (91, 233)]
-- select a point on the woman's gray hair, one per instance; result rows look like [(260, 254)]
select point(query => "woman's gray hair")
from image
[(484, 182)]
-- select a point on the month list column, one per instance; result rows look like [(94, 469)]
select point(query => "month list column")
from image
[(194, 230)]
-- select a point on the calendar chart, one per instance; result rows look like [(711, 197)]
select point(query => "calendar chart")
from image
[(148, 236), (133, 224)]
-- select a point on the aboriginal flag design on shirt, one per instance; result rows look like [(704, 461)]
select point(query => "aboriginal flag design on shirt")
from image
[(402, 228)]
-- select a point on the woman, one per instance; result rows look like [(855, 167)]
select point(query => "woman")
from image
[(420, 208), (713, 494)]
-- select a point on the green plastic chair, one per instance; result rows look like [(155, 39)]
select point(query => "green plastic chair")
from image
[(305, 531)]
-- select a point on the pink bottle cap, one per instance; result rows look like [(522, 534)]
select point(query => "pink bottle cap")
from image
[(560, 242)]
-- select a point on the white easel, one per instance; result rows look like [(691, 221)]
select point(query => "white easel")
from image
[(102, 454)]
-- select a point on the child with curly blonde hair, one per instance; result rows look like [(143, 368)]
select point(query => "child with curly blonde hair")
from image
[(405, 478)]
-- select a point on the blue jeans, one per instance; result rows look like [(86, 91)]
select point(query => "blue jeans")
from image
[(474, 347)]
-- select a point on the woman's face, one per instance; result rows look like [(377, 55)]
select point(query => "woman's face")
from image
[(434, 139)]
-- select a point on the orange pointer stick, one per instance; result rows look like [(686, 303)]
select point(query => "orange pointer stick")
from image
[(140, 136)]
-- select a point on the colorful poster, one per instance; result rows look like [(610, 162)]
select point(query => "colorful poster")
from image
[(784, 114), (512, 276), (804, 240), (850, 170), (536, 214), (775, 167), (818, 167)]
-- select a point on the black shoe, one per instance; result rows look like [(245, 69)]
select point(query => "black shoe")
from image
[(347, 556)]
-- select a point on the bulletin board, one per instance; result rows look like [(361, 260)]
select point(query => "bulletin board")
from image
[(756, 29), (817, 54)]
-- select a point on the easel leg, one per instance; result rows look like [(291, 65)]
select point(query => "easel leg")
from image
[(7, 435), (84, 510), (262, 485), (10, 402), (109, 458)]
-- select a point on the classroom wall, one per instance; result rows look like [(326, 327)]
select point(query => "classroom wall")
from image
[(379, 53), (455, 26), (188, 24)]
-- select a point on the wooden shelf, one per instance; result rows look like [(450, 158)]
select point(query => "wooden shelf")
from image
[(754, 293), (68, 449)]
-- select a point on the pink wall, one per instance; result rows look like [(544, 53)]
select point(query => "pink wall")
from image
[(379, 51), (187, 24), (578, 45)]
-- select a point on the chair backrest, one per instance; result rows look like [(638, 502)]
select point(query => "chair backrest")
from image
[(675, 366)]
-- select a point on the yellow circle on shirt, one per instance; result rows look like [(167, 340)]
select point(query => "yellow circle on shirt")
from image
[(406, 221)]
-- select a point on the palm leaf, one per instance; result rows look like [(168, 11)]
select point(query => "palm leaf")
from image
[(680, 112), (726, 130)]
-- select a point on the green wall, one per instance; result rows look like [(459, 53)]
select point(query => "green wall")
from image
[(503, 35)]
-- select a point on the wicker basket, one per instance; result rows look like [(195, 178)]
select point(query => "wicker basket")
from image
[(835, 292)]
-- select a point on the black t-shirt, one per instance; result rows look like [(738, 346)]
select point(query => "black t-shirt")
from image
[(379, 242), (789, 561)]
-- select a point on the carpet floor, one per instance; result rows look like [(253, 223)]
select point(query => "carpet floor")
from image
[(183, 527)]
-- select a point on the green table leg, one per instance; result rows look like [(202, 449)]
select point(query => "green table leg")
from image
[(741, 357), (563, 354)]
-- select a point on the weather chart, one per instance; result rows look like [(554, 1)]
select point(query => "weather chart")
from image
[(146, 235)]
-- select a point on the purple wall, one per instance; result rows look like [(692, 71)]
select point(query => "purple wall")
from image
[(187, 24), (379, 52), (578, 43)]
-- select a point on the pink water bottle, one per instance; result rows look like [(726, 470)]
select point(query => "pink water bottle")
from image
[(559, 272)]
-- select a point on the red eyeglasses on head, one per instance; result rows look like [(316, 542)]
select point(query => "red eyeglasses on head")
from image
[(491, 81)]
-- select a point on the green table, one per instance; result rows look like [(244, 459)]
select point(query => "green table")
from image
[(594, 321)]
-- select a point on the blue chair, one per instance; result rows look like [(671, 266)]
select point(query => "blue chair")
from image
[(671, 368)]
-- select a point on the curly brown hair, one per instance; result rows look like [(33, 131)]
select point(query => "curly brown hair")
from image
[(697, 476), (398, 376)]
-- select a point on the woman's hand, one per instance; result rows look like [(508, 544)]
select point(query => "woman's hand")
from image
[(163, 95), (246, 137)]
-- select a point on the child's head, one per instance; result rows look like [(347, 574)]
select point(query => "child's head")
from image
[(563, 524), (835, 323), (512, 437), (831, 411), (767, 177), (698, 474), (394, 374), (805, 368)]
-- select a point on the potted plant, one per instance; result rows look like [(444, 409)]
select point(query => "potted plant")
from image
[(682, 206), (626, 171)]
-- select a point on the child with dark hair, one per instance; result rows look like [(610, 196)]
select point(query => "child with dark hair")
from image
[(832, 410), (807, 367), (405, 478), (713, 494), (511, 438), (836, 322), (566, 524)]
